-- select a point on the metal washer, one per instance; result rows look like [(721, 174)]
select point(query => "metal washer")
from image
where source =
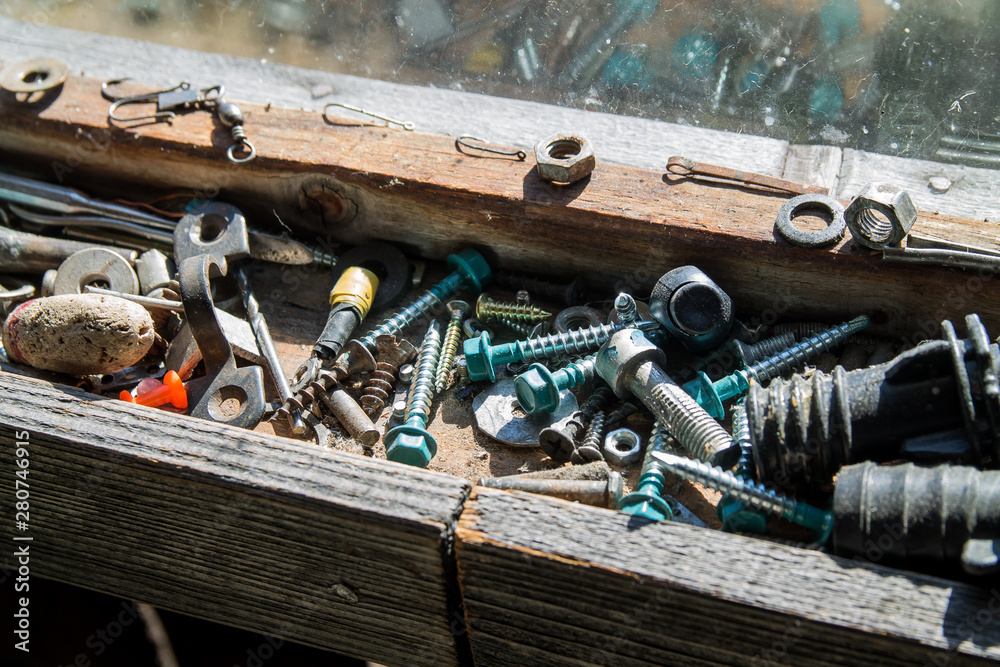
[(833, 232), (92, 264), (49, 72)]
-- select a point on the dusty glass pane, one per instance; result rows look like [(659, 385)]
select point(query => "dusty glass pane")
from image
[(913, 78)]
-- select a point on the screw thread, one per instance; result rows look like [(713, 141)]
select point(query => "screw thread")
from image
[(751, 493), (487, 308), (570, 342), (652, 470), (752, 353), (323, 257), (626, 309), (522, 328), (788, 359), (418, 404), (452, 336), (873, 227), (741, 435), (695, 430), (593, 437), (575, 373), (399, 322)]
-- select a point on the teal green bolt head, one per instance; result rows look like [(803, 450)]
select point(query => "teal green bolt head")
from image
[(537, 390), (473, 269), (479, 358), (736, 517), (411, 445), (646, 504), (703, 391)]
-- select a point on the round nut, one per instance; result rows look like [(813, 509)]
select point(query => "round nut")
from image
[(881, 215), (564, 158), (622, 447)]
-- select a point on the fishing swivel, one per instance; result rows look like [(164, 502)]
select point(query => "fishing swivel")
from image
[(179, 99)]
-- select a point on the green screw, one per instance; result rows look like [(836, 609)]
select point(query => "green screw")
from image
[(647, 500), (735, 516), (410, 442), (483, 358), (538, 388), (710, 395), (750, 492)]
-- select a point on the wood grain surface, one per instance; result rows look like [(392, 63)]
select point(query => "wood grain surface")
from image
[(263, 533), (546, 582)]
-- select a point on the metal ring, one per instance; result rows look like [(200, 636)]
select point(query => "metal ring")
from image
[(231, 153), (49, 73), (95, 264), (833, 232)]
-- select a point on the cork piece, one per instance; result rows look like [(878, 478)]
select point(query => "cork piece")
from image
[(78, 334)]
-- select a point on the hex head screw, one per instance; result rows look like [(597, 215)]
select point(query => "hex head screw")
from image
[(710, 395), (646, 501), (538, 388), (410, 442)]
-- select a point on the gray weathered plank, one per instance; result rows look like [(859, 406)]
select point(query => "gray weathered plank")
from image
[(974, 193), (548, 582), (617, 139), (813, 165), (255, 531)]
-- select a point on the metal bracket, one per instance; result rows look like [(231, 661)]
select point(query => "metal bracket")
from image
[(204, 242)]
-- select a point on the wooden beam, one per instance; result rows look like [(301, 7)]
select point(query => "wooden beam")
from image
[(267, 534), (622, 227), (555, 583)]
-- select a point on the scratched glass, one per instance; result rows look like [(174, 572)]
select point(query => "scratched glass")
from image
[(914, 78)]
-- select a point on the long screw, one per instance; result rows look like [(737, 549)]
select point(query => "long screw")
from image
[(538, 388), (483, 358), (410, 442), (452, 337), (750, 492), (488, 309), (630, 363), (735, 516), (266, 343), (751, 353), (710, 395), (647, 500)]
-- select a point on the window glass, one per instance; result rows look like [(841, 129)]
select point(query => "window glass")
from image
[(913, 78)]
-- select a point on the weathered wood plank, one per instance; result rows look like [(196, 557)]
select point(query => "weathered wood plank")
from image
[(618, 139), (353, 183), (554, 583), (813, 165), (974, 191), (259, 532)]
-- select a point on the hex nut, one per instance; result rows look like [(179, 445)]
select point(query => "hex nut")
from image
[(622, 447), (864, 215), (564, 158)]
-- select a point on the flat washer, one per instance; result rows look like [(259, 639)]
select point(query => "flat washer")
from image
[(48, 74), (95, 264), (384, 260), (833, 232)]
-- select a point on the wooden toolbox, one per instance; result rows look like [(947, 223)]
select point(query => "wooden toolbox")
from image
[(404, 566)]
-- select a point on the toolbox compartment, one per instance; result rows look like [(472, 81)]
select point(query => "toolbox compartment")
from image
[(406, 566)]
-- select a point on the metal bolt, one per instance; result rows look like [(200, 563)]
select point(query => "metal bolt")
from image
[(630, 363), (483, 359), (647, 500), (710, 395), (452, 336), (410, 443), (406, 372), (750, 492), (599, 493), (751, 353), (399, 409), (538, 388), (351, 416), (488, 309), (626, 309)]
